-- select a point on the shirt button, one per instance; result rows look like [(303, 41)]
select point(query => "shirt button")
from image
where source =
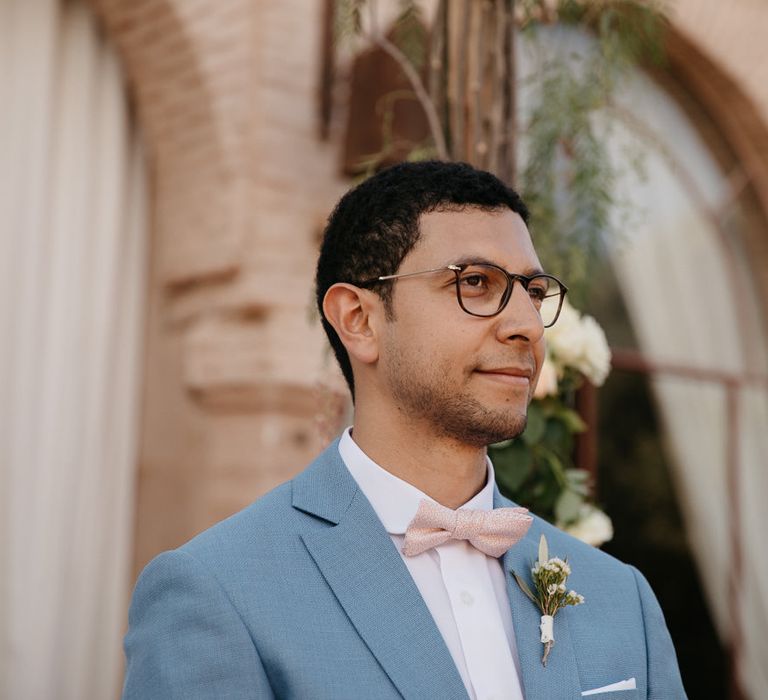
[(467, 598)]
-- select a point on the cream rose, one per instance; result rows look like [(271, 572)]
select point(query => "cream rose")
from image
[(547, 384), (593, 526), (578, 341)]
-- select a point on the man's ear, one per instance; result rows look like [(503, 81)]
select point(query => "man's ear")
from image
[(353, 313)]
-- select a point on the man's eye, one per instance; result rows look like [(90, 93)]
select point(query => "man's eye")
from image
[(538, 294), (474, 281)]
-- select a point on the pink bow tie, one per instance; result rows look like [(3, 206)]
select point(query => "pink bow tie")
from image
[(491, 531)]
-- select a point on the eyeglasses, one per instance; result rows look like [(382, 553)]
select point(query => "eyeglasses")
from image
[(483, 289)]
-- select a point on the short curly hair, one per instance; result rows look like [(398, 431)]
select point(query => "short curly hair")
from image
[(376, 224)]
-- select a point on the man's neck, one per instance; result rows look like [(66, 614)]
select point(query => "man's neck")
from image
[(443, 468)]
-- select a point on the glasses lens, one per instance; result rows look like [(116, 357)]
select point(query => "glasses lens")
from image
[(483, 287), (546, 295)]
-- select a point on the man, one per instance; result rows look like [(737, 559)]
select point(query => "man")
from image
[(343, 583)]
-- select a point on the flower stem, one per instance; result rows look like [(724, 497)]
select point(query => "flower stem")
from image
[(547, 649)]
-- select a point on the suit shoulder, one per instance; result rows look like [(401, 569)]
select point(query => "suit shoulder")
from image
[(266, 517), (268, 529)]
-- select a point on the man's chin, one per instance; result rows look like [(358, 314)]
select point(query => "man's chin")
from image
[(489, 432), (514, 431)]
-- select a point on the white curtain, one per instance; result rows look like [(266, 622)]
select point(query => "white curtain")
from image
[(691, 299), (72, 263), (692, 302)]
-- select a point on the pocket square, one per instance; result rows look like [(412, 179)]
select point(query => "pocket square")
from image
[(628, 684)]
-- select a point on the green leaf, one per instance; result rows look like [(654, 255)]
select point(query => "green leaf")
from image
[(513, 465), (572, 420), (543, 550), (534, 430), (568, 506), (556, 468), (525, 589), (557, 436)]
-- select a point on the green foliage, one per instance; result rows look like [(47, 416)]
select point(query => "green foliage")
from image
[(629, 31), (568, 179)]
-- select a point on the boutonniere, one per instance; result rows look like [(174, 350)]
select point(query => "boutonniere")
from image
[(549, 577)]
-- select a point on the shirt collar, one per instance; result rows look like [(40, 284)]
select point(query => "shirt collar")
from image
[(394, 500)]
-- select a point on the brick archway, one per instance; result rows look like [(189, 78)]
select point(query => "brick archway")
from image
[(239, 187), (189, 66)]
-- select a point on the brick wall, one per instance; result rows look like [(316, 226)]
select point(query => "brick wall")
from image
[(226, 96)]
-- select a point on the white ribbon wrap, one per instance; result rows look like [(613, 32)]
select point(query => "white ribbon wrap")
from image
[(547, 632)]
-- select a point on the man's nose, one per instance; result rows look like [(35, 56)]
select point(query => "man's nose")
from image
[(520, 318)]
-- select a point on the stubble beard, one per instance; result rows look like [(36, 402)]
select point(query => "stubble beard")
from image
[(425, 396)]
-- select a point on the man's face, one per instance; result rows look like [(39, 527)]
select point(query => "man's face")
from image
[(462, 376)]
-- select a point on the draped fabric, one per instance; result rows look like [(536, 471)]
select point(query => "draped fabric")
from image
[(692, 301), (72, 249)]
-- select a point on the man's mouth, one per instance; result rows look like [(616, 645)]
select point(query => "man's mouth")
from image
[(515, 376)]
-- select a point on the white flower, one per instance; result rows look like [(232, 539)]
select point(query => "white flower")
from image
[(547, 384), (558, 565), (593, 526), (578, 341), (596, 361), (552, 588)]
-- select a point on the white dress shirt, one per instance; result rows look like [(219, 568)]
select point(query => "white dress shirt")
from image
[(464, 589)]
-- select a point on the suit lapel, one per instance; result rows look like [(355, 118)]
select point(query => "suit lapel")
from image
[(367, 575), (560, 677)]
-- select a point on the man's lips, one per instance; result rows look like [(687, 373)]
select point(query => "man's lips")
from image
[(517, 376)]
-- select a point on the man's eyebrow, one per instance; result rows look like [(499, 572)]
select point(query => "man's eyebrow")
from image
[(473, 259)]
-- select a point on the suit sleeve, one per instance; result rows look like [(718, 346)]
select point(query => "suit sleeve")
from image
[(186, 640), (664, 682)]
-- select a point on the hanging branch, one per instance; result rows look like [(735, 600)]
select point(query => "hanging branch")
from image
[(378, 39)]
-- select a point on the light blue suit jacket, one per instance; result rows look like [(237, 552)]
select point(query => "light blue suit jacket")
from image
[(303, 595)]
